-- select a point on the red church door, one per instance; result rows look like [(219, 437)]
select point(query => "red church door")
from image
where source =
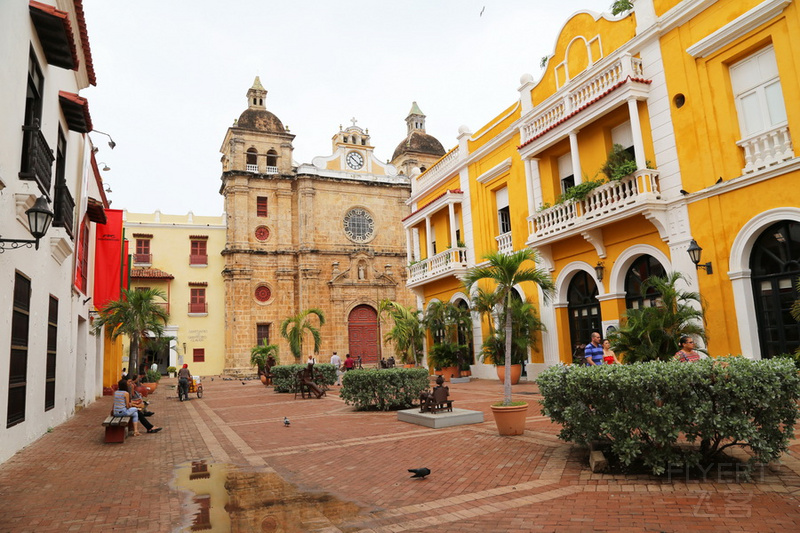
[(363, 334)]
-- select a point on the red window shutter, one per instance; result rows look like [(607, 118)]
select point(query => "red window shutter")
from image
[(261, 206)]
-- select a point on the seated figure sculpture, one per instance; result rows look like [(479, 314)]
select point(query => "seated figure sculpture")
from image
[(436, 399)]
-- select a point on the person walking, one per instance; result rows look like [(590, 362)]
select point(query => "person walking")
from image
[(336, 361), (184, 375), (609, 357), (687, 353), (593, 353), (349, 363)]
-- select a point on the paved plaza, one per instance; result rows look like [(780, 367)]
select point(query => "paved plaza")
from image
[(227, 461)]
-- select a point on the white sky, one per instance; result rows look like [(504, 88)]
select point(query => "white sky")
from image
[(172, 76)]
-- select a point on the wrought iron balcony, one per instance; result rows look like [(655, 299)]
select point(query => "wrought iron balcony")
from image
[(451, 262), (37, 158), (610, 202), (64, 207)]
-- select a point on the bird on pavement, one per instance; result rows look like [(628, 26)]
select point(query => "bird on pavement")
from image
[(420, 472), (286, 422)]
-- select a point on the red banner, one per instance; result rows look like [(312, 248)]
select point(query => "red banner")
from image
[(108, 259)]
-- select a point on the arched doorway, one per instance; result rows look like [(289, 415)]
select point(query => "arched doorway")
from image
[(775, 266), (641, 269), (583, 308), (362, 328), (465, 332)]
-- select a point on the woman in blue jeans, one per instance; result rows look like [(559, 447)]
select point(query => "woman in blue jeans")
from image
[(122, 404)]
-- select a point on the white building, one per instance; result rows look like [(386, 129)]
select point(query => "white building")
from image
[(50, 365)]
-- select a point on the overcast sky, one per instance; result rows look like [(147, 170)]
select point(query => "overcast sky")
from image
[(172, 76)]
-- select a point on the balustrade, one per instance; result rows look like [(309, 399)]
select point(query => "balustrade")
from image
[(504, 243), (451, 260), (769, 148)]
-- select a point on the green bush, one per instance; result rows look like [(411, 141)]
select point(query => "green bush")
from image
[(152, 376), (385, 390), (284, 377), (643, 410)]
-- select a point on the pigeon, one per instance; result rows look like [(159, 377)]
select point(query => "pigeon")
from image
[(243, 383), (420, 472), (718, 181), (683, 192), (286, 422)]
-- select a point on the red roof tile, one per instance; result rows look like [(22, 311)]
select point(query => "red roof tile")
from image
[(150, 273)]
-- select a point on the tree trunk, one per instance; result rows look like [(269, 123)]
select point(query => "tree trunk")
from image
[(133, 363), (507, 384)]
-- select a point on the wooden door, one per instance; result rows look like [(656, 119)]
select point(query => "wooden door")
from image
[(363, 334)]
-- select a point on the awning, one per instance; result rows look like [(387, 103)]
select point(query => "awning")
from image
[(150, 273), (55, 34), (76, 111), (96, 211)]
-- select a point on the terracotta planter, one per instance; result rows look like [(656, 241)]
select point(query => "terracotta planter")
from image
[(510, 419), (151, 385), (466, 373), (409, 365), (449, 371), (263, 379), (516, 372)]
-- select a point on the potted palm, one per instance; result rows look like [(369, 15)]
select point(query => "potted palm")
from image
[(449, 324), (525, 324), (446, 356), (406, 333), (260, 357), (504, 271)]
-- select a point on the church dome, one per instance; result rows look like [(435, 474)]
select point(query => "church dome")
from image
[(260, 120), (419, 142)]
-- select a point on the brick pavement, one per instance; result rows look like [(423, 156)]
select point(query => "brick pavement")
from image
[(338, 470)]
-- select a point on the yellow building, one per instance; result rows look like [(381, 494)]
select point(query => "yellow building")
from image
[(181, 255), (702, 95)]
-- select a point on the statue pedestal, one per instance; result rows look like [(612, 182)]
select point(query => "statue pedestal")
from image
[(458, 417)]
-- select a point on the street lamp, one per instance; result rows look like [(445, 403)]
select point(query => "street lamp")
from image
[(695, 252), (111, 142), (599, 270), (39, 219)]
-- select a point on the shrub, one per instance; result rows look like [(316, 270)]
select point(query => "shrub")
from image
[(284, 377), (385, 390), (152, 376), (643, 410)]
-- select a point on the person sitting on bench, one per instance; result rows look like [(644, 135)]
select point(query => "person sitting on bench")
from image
[(122, 404), (307, 380)]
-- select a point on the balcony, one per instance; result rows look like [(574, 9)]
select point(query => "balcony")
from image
[(198, 260), (198, 308), (767, 149), (610, 202), (452, 262), (604, 86), (144, 259), (37, 158), (504, 243), (163, 305), (64, 207), (441, 169), (271, 169), (251, 168)]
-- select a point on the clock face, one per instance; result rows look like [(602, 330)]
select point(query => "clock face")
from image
[(359, 225), (355, 160)]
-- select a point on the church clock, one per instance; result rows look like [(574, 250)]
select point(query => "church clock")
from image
[(355, 160)]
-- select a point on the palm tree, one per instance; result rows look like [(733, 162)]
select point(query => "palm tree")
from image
[(294, 328), (449, 324), (505, 271), (406, 333), (525, 323), (259, 355), (135, 314), (652, 333)]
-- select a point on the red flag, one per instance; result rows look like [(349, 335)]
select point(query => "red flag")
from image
[(108, 259)]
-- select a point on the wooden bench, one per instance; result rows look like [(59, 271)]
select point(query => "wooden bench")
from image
[(117, 427)]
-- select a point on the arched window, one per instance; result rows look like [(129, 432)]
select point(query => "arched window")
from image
[(641, 269), (252, 160), (583, 308), (272, 162), (775, 267)]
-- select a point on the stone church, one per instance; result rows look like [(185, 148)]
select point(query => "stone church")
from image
[(324, 235)]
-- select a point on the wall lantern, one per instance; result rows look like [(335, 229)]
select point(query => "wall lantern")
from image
[(599, 270), (695, 252), (39, 219), (111, 142)]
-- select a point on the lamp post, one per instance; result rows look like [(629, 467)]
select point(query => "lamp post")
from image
[(111, 142), (39, 219), (695, 252)]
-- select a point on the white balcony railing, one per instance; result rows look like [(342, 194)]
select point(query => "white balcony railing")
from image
[(450, 261), (614, 197), (272, 170), (251, 168), (766, 149), (444, 166), (504, 244), (571, 100)]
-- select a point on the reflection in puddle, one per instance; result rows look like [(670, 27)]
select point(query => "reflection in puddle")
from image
[(238, 499)]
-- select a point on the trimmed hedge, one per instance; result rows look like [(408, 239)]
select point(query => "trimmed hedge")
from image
[(285, 376), (385, 390), (642, 410)]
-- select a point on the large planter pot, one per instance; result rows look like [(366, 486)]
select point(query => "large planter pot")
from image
[(510, 419), (516, 372), (152, 385), (263, 379), (450, 371)]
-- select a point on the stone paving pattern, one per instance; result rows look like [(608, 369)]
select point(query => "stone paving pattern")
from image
[(70, 480)]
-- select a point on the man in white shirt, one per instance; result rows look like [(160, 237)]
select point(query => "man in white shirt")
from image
[(336, 361)]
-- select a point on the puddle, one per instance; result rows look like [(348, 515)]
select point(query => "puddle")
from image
[(224, 497)]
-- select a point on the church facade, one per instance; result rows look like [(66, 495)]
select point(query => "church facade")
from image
[(324, 235)]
